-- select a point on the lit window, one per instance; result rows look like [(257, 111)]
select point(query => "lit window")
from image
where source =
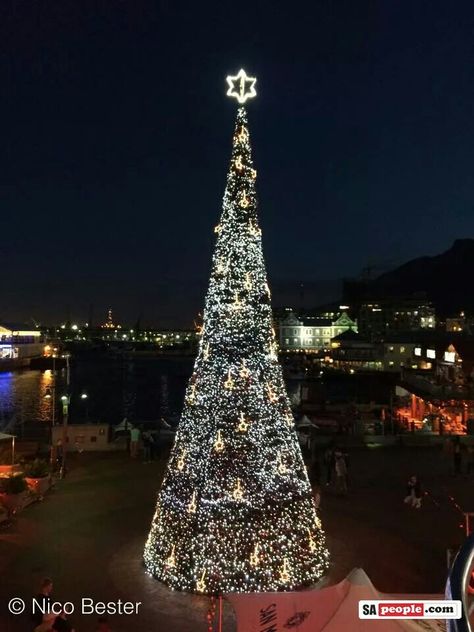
[(402, 349), (417, 351), (431, 353), (390, 363), (449, 356), (390, 349)]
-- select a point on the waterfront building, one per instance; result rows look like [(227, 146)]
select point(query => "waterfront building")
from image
[(352, 352), (18, 345), (377, 317), (312, 334)]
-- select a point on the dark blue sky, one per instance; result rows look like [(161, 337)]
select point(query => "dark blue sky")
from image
[(116, 132)]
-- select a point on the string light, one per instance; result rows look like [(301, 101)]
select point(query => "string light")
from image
[(284, 574), (243, 425), (282, 469), (236, 521), (244, 372), (192, 394), (254, 557), (229, 383), (237, 304), (201, 584), (243, 135), (218, 443), (255, 231), (171, 561), (221, 268), (238, 493), (253, 174), (244, 201), (180, 463), (217, 229), (272, 396), (267, 290), (248, 282), (192, 504)]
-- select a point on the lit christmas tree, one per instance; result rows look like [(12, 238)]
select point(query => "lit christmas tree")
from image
[(235, 511)]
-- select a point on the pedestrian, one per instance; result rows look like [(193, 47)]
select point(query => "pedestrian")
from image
[(127, 434), (341, 472), (42, 601), (103, 625), (314, 470), (134, 440), (414, 495), (457, 456), (147, 440), (317, 496), (329, 463), (59, 455)]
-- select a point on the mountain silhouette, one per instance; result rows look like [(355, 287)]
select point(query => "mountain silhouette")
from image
[(444, 279)]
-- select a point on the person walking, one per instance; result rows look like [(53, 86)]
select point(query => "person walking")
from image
[(329, 463), (43, 601), (414, 495), (147, 439), (134, 441), (340, 468), (127, 434)]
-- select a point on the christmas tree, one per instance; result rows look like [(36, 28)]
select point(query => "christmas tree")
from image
[(235, 510)]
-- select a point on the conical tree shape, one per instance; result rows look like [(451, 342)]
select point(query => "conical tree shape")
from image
[(235, 511)]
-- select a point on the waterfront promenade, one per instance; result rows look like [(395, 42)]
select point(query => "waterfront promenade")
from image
[(89, 533)]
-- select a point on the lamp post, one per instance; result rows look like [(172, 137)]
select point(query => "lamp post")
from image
[(85, 398), (65, 399)]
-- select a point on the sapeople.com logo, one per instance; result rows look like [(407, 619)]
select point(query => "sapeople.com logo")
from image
[(414, 609)]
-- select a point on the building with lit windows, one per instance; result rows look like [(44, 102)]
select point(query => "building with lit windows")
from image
[(18, 345), (312, 334), (375, 318)]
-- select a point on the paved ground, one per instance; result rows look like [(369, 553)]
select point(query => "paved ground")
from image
[(89, 535)]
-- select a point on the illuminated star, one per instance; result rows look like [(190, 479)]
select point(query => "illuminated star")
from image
[(242, 87)]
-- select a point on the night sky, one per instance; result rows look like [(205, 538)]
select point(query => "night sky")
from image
[(116, 134)]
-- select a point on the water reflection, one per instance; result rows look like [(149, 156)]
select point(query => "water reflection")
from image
[(138, 390)]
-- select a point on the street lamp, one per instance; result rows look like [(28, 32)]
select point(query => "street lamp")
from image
[(65, 401), (84, 398)]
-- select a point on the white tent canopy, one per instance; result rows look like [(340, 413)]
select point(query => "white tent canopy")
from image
[(124, 425), (331, 609), (305, 422)]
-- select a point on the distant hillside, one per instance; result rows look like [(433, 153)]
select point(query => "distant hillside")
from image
[(446, 278)]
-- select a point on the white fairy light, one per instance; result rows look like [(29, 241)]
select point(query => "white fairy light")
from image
[(224, 522)]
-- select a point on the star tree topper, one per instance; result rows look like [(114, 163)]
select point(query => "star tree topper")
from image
[(241, 87)]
